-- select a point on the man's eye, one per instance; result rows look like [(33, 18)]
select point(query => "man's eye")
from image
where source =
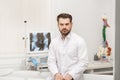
[(67, 24), (61, 24)]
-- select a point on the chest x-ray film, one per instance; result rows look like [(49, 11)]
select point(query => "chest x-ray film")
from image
[(39, 41)]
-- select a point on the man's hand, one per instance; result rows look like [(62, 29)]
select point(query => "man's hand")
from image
[(58, 76), (68, 77)]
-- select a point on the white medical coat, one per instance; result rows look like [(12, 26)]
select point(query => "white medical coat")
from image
[(68, 56)]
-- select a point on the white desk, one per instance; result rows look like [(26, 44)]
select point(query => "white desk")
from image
[(98, 67)]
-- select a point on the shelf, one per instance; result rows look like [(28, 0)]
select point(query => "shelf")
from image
[(98, 67)]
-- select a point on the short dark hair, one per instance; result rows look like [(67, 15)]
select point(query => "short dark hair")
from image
[(64, 15)]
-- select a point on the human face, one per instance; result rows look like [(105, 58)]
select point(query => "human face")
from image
[(65, 26)]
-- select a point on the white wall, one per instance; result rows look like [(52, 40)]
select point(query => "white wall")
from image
[(37, 13), (11, 26), (13, 13), (87, 20)]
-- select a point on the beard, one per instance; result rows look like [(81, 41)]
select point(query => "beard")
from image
[(65, 32)]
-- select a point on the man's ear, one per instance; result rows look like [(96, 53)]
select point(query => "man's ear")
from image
[(57, 23)]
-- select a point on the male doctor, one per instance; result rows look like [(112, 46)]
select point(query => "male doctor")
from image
[(67, 58)]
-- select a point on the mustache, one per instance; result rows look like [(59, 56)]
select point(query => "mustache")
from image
[(64, 29)]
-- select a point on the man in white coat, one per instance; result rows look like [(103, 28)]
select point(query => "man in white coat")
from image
[(67, 58)]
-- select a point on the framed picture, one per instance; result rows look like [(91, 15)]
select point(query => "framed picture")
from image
[(38, 42)]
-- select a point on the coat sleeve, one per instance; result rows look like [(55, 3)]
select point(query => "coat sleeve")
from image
[(82, 63), (52, 60)]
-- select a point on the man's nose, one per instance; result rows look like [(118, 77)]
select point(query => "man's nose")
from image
[(64, 26)]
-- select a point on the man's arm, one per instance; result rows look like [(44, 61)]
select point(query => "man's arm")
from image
[(80, 67), (52, 60)]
